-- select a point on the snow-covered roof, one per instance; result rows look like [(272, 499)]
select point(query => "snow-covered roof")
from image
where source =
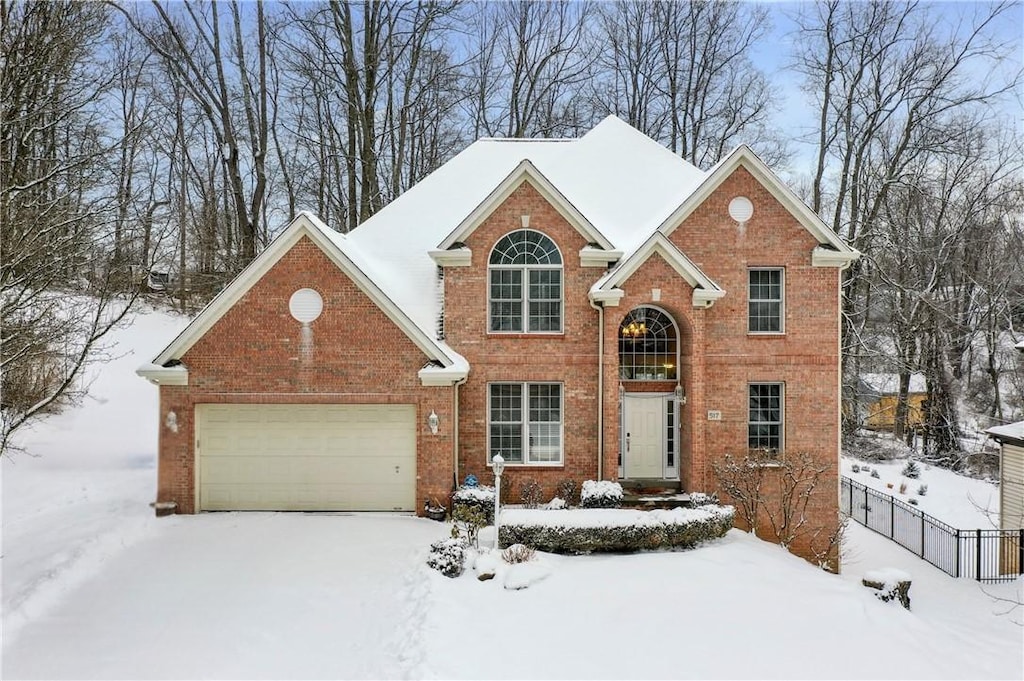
[(1011, 431), (614, 180), (889, 384)]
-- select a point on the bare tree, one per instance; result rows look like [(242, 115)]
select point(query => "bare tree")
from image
[(58, 207)]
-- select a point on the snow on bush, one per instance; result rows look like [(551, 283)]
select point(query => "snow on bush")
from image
[(911, 470), (557, 504), (523, 575), (587, 531), (517, 553), (601, 494), (447, 556), (530, 493), (481, 498), (701, 499)]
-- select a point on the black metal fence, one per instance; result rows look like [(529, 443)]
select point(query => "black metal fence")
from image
[(984, 555)]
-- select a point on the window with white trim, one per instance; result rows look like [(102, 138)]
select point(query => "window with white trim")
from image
[(525, 293), (525, 422), (765, 417), (765, 310)]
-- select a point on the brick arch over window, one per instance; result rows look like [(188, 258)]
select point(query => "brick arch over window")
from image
[(525, 293), (648, 346)]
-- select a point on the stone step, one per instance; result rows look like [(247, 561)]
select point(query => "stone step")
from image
[(648, 501)]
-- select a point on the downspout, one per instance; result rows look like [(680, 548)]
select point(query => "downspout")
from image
[(600, 389), (455, 431)]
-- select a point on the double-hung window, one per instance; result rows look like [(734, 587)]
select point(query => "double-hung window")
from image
[(525, 422), (765, 310), (525, 293), (765, 417)]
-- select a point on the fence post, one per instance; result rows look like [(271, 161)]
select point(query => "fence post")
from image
[(957, 563), (1020, 552), (922, 535), (892, 520), (978, 561)]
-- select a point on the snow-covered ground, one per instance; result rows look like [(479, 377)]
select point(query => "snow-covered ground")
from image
[(957, 500), (95, 587)]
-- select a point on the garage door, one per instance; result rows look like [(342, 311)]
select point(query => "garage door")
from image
[(278, 457)]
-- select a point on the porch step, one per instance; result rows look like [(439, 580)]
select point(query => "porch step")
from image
[(650, 486), (651, 501)]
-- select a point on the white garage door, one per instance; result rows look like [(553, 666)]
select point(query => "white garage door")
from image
[(284, 457)]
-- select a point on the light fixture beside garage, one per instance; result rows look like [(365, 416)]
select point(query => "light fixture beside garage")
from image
[(305, 305), (433, 421)]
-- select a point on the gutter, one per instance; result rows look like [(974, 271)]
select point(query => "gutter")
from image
[(600, 388)]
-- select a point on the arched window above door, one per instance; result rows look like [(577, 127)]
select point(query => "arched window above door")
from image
[(648, 346)]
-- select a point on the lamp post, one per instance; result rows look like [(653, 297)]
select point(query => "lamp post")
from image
[(499, 466)]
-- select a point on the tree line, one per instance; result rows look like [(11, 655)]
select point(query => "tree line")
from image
[(177, 136)]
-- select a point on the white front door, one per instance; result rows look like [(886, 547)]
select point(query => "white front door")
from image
[(643, 437)]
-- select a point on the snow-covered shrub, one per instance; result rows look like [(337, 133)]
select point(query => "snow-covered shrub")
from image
[(468, 521), (922, 490), (557, 504), (448, 556), (587, 531), (911, 470), (530, 493), (601, 494), (517, 553), (874, 473), (481, 498), (569, 491), (855, 468), (701, 499)]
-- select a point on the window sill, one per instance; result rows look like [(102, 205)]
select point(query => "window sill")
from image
[(766, 334), (532, 466), (532, 334)]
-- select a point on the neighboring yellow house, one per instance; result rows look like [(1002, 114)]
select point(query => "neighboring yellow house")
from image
[(881, 392)]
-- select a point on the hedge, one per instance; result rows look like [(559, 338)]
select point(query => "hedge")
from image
[(613, 530)]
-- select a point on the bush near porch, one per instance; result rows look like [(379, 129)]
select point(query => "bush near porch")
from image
[(613, 530)]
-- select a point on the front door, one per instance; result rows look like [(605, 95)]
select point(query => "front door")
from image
[(643, 443)]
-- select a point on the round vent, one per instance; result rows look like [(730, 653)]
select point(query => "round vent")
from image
[(306, 305), (740, 209)]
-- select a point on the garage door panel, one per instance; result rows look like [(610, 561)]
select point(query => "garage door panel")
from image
[(307, 457)]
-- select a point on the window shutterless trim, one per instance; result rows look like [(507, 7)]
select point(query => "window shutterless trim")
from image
[(525, 270), (524, 423), (781, 423), (780, 301)]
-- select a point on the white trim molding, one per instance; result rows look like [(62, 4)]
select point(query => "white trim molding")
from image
[(452, 257), (160, 375), (827, 257), (598, 257), (705, 291), (526, 172)]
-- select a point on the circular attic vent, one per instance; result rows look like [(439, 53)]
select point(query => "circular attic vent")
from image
[(306, 305), (741, 209)]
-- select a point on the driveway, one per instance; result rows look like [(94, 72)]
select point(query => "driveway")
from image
[(241, 595)]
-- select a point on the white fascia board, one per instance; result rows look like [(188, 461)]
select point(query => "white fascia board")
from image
[(158, 375), (826, 257), (705, 291), (705, 297), (455, 257), (527, 172), (745, 157), (608, 298), (308, 225), (597, 257), (434, 377)]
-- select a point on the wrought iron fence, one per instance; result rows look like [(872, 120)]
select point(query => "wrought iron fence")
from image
[(984, 555)]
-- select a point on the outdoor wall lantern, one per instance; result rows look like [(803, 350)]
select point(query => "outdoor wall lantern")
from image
[(499, 467), (679, 394), (433, 421)]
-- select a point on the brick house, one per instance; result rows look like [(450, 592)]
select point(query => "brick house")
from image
[(595, 308)]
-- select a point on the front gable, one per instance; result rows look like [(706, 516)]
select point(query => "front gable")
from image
[(308, 239)]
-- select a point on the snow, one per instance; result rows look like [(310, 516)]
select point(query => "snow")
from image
[(1012, 431), (957, 500), (94, 586), (600, 489), (888, 577), (611, 517), (889, 384)]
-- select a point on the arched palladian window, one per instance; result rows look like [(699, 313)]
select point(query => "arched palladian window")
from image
[(525, 292), (648, 346)]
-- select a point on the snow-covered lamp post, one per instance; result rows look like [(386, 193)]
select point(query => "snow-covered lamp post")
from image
[(499, 467)]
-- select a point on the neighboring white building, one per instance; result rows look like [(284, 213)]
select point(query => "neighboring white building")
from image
[(1011, 474)]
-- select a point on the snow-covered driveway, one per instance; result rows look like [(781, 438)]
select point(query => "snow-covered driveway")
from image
[(246, 595)]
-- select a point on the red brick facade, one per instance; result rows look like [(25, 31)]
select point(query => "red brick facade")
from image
[(250, 354)]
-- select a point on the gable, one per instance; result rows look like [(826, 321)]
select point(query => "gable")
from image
[(830, 251), (307, 228)]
